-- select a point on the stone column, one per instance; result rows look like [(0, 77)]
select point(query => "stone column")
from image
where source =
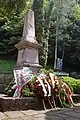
[(28, 46)]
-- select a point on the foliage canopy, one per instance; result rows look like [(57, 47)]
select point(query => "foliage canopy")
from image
[(55, 20)]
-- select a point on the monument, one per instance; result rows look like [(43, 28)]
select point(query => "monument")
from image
[(28, 46)]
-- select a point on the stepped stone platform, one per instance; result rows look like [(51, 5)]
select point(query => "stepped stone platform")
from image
[(26, 103), (76, 98), (14, 104), (54, 114)]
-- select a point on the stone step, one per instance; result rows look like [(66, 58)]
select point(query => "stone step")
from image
[(14, 104), (76, 98), (77, 105), (26, 103)]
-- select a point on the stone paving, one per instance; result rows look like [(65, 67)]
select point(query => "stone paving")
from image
[(54, 114)]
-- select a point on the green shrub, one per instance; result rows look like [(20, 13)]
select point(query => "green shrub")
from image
[(8, 90), (47, 71), (27, 92), (73, 83)]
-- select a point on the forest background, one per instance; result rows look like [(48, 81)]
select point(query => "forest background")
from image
[(55, 20)]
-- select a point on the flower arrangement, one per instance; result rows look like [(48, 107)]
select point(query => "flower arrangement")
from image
[(46, 86)]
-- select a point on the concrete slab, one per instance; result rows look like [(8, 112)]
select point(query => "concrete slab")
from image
[(70, 118), (73, 114), (2, 116), (28, 118), (62, 114), (29, 112), (40, 116), (14, 114), (16, 119)]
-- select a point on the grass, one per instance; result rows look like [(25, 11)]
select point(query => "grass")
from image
[(6, 66)]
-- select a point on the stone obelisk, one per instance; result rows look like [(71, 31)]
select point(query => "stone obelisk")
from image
[(28, 46)]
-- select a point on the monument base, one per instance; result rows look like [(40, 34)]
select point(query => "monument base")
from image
[(34, 67)]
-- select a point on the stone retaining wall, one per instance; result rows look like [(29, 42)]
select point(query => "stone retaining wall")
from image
[(4, 80), (76, 98), (15, 104)]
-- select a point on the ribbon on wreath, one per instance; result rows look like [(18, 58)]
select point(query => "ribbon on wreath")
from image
[(41, 81), (22, 77)]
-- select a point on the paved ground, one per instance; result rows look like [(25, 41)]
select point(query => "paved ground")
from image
[(60, 114)]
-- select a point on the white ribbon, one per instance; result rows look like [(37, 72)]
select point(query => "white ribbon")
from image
[(44, 89), (49, 87), (52, 79)]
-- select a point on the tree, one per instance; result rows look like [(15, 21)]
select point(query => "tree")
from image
[(11, 24), (60, 21), (38, 8), (46, 29)]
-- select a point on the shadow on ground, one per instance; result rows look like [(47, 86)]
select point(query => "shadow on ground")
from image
[(63, 114)]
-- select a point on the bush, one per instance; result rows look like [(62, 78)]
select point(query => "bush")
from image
[(27, 92), (8, 90), (73, 83)]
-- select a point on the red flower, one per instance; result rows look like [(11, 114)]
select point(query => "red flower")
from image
[(37, 86), (68, 97)]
